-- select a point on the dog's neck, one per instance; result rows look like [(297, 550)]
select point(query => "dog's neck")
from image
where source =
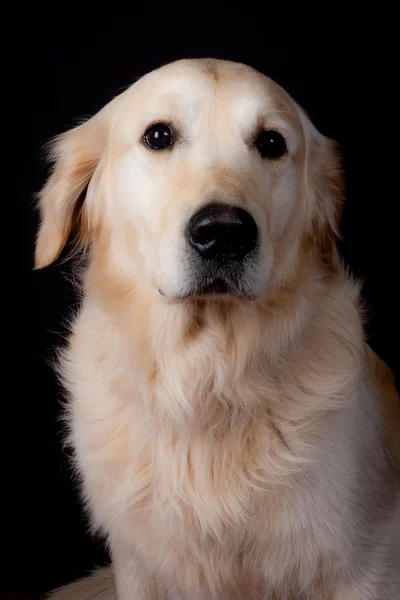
[(212, 359)]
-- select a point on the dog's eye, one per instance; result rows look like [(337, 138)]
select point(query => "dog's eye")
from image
[(271, 144), (159, 136)]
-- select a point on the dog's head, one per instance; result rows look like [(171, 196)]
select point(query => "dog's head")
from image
[(202, 179)]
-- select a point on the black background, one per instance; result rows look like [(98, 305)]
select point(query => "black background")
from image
[(68, 65)]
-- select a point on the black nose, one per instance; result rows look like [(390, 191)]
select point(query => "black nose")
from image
[(222, 231)]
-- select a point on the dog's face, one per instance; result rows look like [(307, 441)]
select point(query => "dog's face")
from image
[(203, 179)]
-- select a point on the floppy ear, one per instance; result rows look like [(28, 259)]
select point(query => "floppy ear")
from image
[(324, 191), (75, 156)]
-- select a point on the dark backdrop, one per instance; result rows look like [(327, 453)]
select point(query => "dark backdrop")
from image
[(68, 66)]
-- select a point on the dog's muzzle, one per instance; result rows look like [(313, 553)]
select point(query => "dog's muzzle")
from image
[(224, 239)]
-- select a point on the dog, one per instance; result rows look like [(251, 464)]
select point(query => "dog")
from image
[(234, 434)]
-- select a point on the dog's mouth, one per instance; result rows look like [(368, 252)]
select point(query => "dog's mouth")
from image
[(215, 286), (218, 288), (216, 280)]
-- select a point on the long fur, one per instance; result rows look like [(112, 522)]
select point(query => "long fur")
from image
[(227, 449), (99, 586)]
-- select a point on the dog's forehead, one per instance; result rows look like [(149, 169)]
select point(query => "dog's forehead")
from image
[(197, 84), (211, 71)]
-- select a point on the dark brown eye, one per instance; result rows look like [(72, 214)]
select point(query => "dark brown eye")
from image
[(271, 144), (159, 136)]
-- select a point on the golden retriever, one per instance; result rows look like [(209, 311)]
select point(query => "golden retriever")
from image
[(235, 436)]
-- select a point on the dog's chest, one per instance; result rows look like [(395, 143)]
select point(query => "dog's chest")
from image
[(206, 499), (199, 506), (203, 501), (197, 487)]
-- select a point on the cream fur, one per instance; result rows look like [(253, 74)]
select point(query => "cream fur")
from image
[(227, 448)]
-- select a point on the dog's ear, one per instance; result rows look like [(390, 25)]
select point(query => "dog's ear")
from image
[(329, 191), (75, 156), (324, 193)]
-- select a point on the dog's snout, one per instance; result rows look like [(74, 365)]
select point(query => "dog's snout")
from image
[(222, 231)]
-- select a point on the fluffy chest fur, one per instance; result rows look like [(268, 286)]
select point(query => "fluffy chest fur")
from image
[(210, 461)]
